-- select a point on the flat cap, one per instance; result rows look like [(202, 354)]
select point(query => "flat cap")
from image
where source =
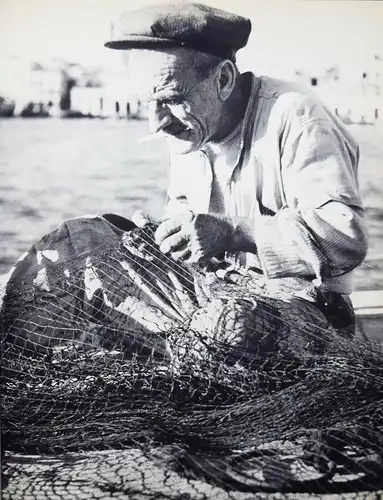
[(192, 25)]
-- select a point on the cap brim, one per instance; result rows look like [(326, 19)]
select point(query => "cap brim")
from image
[(150, 42), (141, 42)]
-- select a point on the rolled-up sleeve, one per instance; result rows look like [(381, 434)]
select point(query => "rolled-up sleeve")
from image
[(321, 231), (325, 242)]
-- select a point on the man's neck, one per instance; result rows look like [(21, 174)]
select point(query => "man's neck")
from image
[(234, 109)]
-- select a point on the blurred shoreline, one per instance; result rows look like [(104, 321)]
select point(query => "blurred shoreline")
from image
[(65, 89)]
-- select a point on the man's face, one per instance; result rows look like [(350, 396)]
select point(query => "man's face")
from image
[(182, 104)]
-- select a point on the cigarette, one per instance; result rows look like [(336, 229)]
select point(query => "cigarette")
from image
[(150, 138)]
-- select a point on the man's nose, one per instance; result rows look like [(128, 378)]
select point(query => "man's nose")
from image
[(159, 116)]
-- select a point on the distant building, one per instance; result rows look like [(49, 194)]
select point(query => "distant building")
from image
[(32, 85), (109, 95), (352, 92), (45, 82)]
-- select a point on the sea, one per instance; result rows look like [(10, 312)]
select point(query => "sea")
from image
[(55, 169)]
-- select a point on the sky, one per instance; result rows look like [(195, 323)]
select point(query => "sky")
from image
[(286, 33)]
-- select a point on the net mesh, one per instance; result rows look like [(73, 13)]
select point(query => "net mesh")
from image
[(127, 375)]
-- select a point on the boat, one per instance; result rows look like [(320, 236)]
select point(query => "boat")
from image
[(7, 107), (368, 307)]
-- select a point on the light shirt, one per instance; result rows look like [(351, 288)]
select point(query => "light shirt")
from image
[(296, 180), (223, 157)]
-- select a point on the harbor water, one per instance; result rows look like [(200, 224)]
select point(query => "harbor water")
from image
[(55, 169)]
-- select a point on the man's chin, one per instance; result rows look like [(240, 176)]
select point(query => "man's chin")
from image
[(183, 145)]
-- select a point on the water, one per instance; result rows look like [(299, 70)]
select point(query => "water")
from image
[(52, 169)]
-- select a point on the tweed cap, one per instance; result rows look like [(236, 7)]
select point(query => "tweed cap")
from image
[(192, 25)]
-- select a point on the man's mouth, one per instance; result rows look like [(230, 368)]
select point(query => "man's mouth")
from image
[(175, 129)]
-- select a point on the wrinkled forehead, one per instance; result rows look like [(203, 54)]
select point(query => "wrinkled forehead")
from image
[(157, 67)]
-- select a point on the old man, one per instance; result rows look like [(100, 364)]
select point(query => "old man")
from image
[(260, 169)]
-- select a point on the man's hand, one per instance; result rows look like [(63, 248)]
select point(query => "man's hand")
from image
[(195, 237)]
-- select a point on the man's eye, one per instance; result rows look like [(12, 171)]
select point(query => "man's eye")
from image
[(173, 100), (165, 101)]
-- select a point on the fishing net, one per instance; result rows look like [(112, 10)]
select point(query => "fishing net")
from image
[(127, 375)]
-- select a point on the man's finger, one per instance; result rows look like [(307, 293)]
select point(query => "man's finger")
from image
[(182, 254), (195, 257), (174, 242), (166, 229)]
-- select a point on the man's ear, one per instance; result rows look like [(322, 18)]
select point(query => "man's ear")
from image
[(226, 76)]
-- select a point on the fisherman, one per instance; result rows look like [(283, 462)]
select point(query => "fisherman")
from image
[(260, 169)]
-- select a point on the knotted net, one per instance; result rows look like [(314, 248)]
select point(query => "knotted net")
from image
[(127, 375)]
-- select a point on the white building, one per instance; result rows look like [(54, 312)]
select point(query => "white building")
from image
[(28, 82), (353, 91)]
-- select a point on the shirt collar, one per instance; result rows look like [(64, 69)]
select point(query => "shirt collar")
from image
[(249, 119), (246, 126)]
